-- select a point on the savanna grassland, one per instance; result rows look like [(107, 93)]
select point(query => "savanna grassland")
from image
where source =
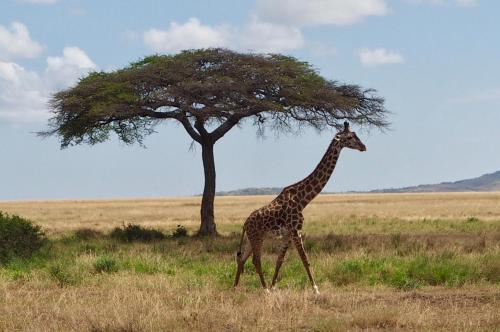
[(382, 261)]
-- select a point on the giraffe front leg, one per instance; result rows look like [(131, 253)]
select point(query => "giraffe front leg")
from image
[(281, 258), (297, 240)]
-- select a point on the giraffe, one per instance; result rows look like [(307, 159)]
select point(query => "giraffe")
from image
[(283, 216)]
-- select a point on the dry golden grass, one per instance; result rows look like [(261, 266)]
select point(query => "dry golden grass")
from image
[(125, 302), (184, 285), (329, 210)]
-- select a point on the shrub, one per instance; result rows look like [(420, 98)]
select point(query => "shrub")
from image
[(19, 238), (85, 234), (131, 233), (180, 231), (472, 220), (105, 264), (61, 275)]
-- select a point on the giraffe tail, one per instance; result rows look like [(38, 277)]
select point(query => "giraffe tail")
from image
[(238, 254)]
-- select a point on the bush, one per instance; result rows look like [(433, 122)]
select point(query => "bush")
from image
[(131, 233), (84, 234), (105, 264), (60, 274), (180, 231), (19, 238)]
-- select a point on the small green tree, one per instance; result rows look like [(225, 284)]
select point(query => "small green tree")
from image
[(208, 91)]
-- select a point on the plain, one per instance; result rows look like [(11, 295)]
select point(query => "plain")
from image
[(382, 261)]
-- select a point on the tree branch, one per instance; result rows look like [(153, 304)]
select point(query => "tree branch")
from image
[(199, 125), (225, 127), (179, 116), (182, 118)]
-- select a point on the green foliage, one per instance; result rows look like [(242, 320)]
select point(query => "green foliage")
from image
[(60, 273), (136, 233), (277, 91), (105, 264), (19, 238)]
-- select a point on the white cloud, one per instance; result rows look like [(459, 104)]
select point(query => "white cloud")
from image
[(379, 56), (44, 2), (268, 38), (256, 36), (65, 70), (24, 94), (313, 12), (17, 43), (191, 34)]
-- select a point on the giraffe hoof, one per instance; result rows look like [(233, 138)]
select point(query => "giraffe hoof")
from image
[(316, 290), (267, 291)]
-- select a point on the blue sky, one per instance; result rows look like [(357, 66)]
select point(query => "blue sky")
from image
[(437, 63)]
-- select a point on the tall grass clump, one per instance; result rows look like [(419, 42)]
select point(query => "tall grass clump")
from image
[(105, 264), (19, 238), (61, 273), (136, 233)]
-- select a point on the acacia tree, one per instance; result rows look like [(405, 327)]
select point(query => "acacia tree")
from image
[(209, 92)]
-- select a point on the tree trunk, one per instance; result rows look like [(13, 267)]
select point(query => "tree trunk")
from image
[(207, 226)]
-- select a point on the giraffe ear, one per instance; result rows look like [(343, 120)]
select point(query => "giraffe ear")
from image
[(346, 127)]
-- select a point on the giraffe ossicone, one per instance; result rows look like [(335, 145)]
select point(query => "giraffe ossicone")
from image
[(283, 216)]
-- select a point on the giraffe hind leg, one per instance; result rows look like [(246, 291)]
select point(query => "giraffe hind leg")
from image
[(240, 260), (256, 242), (281, 257)]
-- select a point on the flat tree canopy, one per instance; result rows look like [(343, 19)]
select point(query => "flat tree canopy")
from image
[(208, 91)]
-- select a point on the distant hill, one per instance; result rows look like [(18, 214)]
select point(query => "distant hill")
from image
[(486, 182), (254, 191), (250, 192)]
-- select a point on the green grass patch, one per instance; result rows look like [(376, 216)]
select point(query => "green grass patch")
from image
[(106, 264), (416, 271), (396, 260)]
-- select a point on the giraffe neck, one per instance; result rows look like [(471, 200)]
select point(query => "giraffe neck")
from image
[(311, 186)]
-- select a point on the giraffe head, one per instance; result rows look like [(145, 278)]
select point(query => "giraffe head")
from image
[(349, 139)]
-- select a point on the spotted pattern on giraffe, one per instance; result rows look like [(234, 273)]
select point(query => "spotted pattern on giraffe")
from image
[(282, 218)]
